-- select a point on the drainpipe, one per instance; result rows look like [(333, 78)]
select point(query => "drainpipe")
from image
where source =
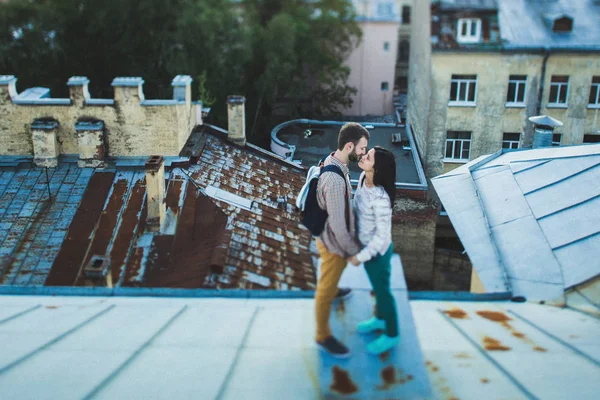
[(542, 80)]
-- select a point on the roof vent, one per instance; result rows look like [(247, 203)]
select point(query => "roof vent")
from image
[(97, 272), (559, 22), (544, 129)]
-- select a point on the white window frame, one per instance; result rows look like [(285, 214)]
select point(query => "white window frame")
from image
[(596, 85), (559, 85), (469, 37), (559, 143), (517, 83), (511, 143), (467, 82), (459, 142)]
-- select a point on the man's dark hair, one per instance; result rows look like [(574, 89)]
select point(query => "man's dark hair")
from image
[(351, 132)]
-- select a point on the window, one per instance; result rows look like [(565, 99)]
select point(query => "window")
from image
[(516, 89), (385, 9), (468, 30), (462, 89), (386, 46), (384, 86), (595, 92), (458, 146), (405, 15), (591, 138), (403, 50), (510, 140), (559, 88), (556, 139)]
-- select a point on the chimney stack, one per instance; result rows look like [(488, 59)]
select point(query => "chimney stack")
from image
[(45, 143), (90, 142), (155, 192), (97, 272), (543, 130), (8, 88), (236, 120), (182, 88), (78, 90), (128, 90)]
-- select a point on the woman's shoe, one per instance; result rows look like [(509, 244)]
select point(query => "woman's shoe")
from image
[(382, 344), (370, 325)]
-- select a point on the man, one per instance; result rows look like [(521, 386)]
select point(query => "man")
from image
[(338, 241)]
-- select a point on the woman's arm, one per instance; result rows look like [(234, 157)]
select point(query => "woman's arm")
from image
[(383, 228)]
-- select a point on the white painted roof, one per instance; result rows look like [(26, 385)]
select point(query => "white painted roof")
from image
[(529, 219)]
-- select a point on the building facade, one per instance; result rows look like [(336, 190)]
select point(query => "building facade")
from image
[(479, 71), (373, 64)]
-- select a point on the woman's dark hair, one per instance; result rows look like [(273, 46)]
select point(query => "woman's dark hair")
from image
[(385, 171)]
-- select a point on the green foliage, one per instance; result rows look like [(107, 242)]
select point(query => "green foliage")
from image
[(285, 56)]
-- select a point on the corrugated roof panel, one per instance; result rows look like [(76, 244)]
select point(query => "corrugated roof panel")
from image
[(501, 197), (572, 224), (555, 171), (566, 193)]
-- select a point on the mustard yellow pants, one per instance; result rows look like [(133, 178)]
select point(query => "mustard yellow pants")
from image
[(332, 267)]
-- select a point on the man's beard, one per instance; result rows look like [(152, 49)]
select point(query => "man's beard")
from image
[(353, 156)]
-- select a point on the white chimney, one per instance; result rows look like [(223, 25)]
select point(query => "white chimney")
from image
[(236, 120), (155, 192)]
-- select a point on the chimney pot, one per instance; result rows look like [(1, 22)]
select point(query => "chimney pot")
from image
[(543, 130), (236, 119), (155, 192), (97, 272)]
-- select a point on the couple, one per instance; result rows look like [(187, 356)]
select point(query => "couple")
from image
[(359, 235)]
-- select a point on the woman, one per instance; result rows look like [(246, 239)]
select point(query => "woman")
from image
[(373, 201)]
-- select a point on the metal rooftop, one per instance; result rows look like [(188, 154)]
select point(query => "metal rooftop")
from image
[(252, 348), (528, 219), (522, 24)]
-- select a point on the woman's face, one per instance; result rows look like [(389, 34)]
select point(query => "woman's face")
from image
[(367, 162)]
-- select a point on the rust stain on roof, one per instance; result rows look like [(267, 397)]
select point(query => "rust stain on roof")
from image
[(342, 383), (72, 252), (491, 344), (391, 377), (456, 313), (496, 316)]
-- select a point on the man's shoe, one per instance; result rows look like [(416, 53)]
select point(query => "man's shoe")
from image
[(382, 344), (343, 293), (370, 325), (334, 347)]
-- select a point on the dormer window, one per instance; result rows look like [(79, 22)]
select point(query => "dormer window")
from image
[(559, 22), (468, 30)]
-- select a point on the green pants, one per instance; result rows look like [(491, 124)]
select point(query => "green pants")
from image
[(379, 269)]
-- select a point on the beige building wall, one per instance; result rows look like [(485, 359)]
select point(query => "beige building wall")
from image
[(490, 118), (419, 77), (131, 129)]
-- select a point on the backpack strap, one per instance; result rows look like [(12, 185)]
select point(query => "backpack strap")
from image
[(334, 168)]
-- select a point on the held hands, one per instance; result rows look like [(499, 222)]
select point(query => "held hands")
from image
[(354, 261)]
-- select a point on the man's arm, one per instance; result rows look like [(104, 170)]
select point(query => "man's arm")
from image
[(334, 193)]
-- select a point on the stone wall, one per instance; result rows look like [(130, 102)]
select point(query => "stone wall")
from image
[(452, 271), (133, 126)]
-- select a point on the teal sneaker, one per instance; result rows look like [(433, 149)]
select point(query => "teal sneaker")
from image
[(370, 325), (382, 344)]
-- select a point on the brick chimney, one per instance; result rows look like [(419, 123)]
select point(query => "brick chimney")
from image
[(128, 89), (78, 90), (236, 120), (543, 130), (91, 143), (45, 143), (182, 88), (8, 88), (155, 192), (98, 272)]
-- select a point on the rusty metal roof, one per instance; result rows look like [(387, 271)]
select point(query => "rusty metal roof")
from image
[(266, 246), (207, 241)]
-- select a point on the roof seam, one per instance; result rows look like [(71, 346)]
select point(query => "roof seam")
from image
[(562, 179)]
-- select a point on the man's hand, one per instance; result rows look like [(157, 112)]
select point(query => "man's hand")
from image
[(354, 261)]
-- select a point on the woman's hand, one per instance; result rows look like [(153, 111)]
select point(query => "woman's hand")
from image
[(354, 261)]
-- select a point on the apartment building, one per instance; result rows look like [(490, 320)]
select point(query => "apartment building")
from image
[(479, 69)]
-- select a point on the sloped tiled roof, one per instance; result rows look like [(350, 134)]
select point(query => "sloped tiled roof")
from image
[(529, 219)]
